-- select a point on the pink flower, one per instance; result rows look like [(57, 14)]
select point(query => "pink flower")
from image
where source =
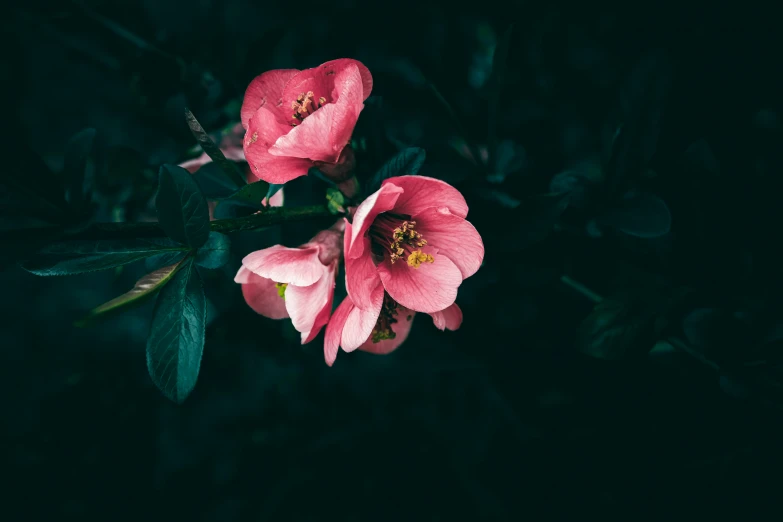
[(299, 119), (381, 329), (382, 326), (279, 282), (411, 237)]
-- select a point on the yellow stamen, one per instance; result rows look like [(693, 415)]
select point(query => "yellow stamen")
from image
[(281, 289), (418, 257)]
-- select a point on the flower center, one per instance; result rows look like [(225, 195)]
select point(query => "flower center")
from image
[(383, 327), (397, 236), (305, 105), (281, 289)]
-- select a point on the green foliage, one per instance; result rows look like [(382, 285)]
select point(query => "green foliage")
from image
[(215, 252), (176, 340), (406, 163), (182, 209), (79, 257), (144, 288), (247, 199), (229, 168), (79, 169)]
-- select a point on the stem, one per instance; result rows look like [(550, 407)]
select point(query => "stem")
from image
[(582, 289), (265, 218)]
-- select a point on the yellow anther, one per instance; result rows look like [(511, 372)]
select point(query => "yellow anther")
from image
[(418, 257)]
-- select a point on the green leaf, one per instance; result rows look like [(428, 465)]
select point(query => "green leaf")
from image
[(213, 182), (78, 168), (182, 209), (273, 189), (216, 252), (250, 196), (145, 288), (176, 340), (407, 162), (642, 215), (158, 261), (229, 168), (79, 257), (335, 201), (614, 329)]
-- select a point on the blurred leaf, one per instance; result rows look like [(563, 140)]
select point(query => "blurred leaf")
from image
[(509, 158), (229, 168), (719, 334), (615, 330), (79, 168), (182, 209), (320, 175), (495, 86), (635, 136), (578, 182), (215, 252), (641, 214), (273, 189), (499, 197), (28, 188), (213, 181), (176, 340), (538, 216), (406, 163), (79, 257), (144, 288), (700, 154)]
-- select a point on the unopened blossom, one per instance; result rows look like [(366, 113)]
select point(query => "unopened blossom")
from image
[(279, 282), (411, 236), (296, 120)]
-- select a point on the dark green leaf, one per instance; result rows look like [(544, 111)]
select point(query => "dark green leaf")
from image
[(538, 217), (320, 175), (176, 340), (145, 288), (405, 163), (615, 330), (642, 215), (79, 257), (215, 253), (159, 261), (182, 209), (244, 201), (229, 168), (79, 168), (213, 182)]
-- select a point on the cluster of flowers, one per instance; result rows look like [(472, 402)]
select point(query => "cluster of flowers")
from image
[(406, 249)]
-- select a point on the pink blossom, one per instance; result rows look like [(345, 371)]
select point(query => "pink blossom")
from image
[(411, 237), (279, 282), (299, 119), (380, 329)]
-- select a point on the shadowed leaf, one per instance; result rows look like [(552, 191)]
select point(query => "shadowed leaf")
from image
[(405, 163), (229, 168), (182, 209)]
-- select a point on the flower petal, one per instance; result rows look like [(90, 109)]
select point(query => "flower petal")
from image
[(382, 200), (263, 130), (450, 318), (360, 323), (261, 294), (275, 201), (321, 80), (334, 330), (296, 266), (454, 237), (266, 90), (401, 328), (343, 63), (310, 306), (429, 288), (422, 192), (361, 277), (348, 105)]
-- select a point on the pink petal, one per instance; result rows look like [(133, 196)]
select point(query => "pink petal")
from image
[(453, 237), (401, 328), (360, 323), (429, 288), (192, 165), (450, 318), (296, 266), (263, 130), (382, 200), (334, 330), (349, 103), (361, 277), (310, 306), (275, 201), (261, 294), (343, 63), (422, 192), (266, 90)]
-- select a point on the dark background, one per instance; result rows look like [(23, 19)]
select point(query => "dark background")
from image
[(535, 409)]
